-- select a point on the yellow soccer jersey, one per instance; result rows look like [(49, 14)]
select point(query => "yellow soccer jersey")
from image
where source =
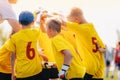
[(71, 37), (88, 37), (5, 66), (24, 44), (59, 44), (45, 44)]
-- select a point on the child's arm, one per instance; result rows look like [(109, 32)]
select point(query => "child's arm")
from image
[(13, 66), (41, 52), (102, 50), (67, 57), (43, 56), (43, 18), (62, 18), (42, 22), (67, 62)]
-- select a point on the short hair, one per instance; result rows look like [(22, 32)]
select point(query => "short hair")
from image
[(26, 17), (54, 24), (75, 11)]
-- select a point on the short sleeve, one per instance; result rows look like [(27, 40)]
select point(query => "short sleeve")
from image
[(10, 45), (59, 43)]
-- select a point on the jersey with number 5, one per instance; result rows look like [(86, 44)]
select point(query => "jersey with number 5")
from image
[(24, 45), (88, 40)]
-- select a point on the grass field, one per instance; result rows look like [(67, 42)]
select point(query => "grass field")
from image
[(109, 78)]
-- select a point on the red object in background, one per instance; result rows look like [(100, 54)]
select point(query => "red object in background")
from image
[(117, 54)]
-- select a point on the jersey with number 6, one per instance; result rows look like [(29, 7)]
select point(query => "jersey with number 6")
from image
[(24, 44), (88, 39)]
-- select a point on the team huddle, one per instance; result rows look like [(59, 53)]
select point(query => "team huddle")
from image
[(57, 49)]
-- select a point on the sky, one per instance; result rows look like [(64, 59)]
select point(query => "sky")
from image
[(104, 14)]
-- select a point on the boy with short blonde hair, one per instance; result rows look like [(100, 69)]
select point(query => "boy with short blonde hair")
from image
[(65, 55)]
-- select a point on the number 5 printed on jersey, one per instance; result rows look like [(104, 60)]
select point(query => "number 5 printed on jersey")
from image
[(94, 42), (30, 52)]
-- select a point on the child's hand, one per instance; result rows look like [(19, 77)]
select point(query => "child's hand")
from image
[(62, 72), (42, 18), (102, 50), (13, 77), (41, 53), (45, 58)]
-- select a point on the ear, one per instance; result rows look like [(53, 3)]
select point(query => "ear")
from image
[(50, 30), (76, 19), (32, 22)]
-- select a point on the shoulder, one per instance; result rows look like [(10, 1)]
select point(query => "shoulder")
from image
[(57, 37), (15, 34), (71, 23), (59, 40)]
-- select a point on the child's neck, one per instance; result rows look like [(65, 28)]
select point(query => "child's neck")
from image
[(83, 21), (25, 27), (54, 33)]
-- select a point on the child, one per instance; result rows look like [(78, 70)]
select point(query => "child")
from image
[(89, 42), (28, 64), (66, 58), (5, 64), (45, 43), (70, 36)]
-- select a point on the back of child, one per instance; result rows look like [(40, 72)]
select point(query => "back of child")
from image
[(63, 51), (28, 64)]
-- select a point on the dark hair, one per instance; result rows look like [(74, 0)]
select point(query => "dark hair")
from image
[(54, 24)]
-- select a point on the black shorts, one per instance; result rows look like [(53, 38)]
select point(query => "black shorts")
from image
[(88, 76), (50, 71), (76, 79), (5, 76), (45, 73), (97, 79), (35, 77), (53, 73)]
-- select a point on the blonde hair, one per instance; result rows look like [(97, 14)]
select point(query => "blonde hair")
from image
[(54, 24), (75, 11)]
